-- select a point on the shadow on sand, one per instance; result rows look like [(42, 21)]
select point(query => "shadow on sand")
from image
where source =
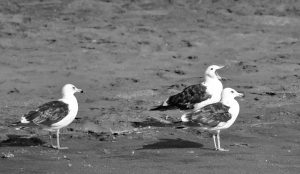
[(19, 140), (172, 143)]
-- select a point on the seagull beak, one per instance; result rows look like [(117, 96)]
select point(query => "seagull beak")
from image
[(79, 90), (240, 94), (218, 76), (220, 66)]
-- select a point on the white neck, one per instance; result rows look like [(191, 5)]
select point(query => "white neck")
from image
[(69, 99), (209, 77), (228, 101)]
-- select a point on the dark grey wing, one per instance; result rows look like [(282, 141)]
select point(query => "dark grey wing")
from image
[(210, 115), (188, 97), (48, 113)]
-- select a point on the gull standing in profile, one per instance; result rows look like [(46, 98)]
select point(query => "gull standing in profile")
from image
[(196, 96), (54, 115), (215, 117)]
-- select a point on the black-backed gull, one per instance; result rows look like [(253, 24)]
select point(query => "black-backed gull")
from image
[(215, 117), (54, 115), (196, 96)]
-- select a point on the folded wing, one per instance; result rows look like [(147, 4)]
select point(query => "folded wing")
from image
[(48, 113), (188, 97), (209, 116)]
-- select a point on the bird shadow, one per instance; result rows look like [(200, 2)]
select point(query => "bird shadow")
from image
[(20, 140), (171, 144)]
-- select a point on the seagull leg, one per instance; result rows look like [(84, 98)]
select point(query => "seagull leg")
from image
[(57, 139), (50, 138), (219, 142), (52, 145), (214, 138), (57, 142)]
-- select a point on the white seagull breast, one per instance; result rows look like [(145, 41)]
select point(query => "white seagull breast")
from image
[(73, 109), (214, 88), (234, 111)]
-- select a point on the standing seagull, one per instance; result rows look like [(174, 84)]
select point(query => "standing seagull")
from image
[(54, 115), (215, 117), (196, 96)]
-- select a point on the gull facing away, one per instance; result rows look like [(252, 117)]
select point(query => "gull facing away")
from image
[(54, 115), (196, 96), (215, 117)]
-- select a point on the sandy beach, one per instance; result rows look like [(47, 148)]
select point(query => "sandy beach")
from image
[(128, 56)]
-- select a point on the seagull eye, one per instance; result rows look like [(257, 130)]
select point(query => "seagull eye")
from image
[(232, 92), (73, 87), (211, 68)]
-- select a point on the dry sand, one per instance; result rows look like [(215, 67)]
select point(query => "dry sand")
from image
[(130, 55)]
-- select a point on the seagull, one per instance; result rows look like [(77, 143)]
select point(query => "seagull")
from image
[(215, 117), (54, 115), (196, 96)]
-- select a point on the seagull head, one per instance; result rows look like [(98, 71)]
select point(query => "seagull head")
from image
[(211, 71), (229, 93), (70, 89)]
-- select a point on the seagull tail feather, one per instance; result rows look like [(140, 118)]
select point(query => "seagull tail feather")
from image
[(19, 125), (186, 117), (161, 108), (15, 124)]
